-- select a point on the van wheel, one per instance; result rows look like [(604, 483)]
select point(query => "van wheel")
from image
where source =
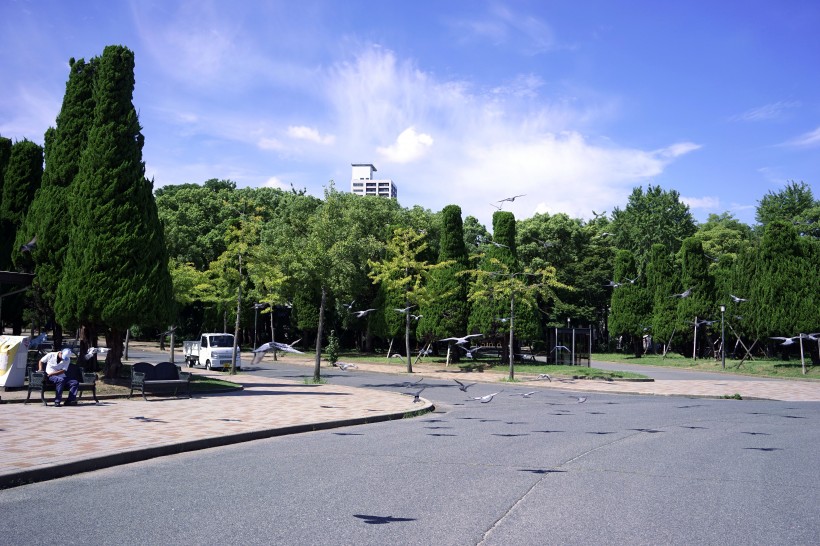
[(207, 364)]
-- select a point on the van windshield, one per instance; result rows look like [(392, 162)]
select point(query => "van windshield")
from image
[(222, 341)]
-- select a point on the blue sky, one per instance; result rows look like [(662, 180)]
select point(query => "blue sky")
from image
[(572, 103)]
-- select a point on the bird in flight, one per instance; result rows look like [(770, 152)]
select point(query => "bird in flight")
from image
[(560, 348), (93, 351), (787, 340), (685, 294), (416, 395), (461, 340), (511, 199), (613, 284), (349, 306), (524, 394), (597, 215), (632, 281), (405, 310), (485, 399), (259, 352), (497, 245), (416, 317), (545, 244), (580, 399), (545, 376), (462, 387), (363, 312), (344, 367), (29, 246), (737, 299)]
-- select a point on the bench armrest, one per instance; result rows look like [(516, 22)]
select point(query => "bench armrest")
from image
[(185, 376), (89, 377), (137, 378), (36, 379)]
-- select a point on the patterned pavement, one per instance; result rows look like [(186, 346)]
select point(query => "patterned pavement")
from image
[(44, 442)]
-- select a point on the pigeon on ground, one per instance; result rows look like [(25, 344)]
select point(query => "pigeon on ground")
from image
[(344, 367), (580, 399)]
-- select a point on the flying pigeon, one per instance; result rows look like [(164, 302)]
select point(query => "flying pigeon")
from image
[(462, 387), (93, 351), (409, 384), (737, 299), (485, 399), (405, 310), (259, 352), (344, 367), (29, 246), (416, 394), (362, 313), (613, 284), (545, 376), (685, 294), (513, 198), (461, 340)]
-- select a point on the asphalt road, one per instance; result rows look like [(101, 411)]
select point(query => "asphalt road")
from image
[(539, 470)]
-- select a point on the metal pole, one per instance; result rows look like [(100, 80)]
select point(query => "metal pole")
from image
[(255, 314), (722, 339)]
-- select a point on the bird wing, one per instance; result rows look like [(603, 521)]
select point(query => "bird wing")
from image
[(265, 347)]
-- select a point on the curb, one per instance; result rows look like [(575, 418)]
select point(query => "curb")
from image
[(25, 477)]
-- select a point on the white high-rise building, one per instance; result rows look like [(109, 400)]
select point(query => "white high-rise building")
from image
[(363, 183)]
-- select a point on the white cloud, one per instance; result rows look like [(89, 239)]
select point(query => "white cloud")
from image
[(275, 182), (409, 146), (309, 133), (705, 203), (766, 112), (270, 144), (806, 140)]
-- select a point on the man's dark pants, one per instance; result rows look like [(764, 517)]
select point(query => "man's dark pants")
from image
[(59, 383)]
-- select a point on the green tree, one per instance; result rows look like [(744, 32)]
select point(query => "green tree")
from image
[(657, 216), (701, 305), (22, 177), (116, 267), (446, 317), (631, 303), (405, 275), (788, 204), (47, 219), (661, 283), (518, 289)]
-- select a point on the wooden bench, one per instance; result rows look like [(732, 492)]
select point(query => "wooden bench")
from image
[(39, 381), (162, 376)]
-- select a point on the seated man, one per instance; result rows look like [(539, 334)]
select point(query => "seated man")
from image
[(56, 364)]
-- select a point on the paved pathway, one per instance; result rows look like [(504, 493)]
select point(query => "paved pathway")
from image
[(43, 442)]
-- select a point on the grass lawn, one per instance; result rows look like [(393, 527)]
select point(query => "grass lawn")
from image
[(763, 367), (578, 372)]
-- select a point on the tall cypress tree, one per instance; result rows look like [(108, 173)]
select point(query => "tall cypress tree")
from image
[(447, 317), (702, 301), (5, 153), (630, 302), (47, 219), (116, 268), (23, 175), (661, 280)]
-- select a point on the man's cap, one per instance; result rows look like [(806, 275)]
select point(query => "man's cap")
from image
[(65, 354)]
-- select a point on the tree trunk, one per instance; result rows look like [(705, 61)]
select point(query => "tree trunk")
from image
[(317, 365), (114, 342)]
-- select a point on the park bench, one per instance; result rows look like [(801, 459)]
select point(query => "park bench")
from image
[(162, 376), (39, 381)]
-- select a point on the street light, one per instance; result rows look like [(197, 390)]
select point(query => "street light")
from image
[(722, 339)]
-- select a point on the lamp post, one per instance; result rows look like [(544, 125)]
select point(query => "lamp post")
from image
[(722, 339)]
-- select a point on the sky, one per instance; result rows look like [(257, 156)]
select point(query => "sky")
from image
[(570, 103)]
